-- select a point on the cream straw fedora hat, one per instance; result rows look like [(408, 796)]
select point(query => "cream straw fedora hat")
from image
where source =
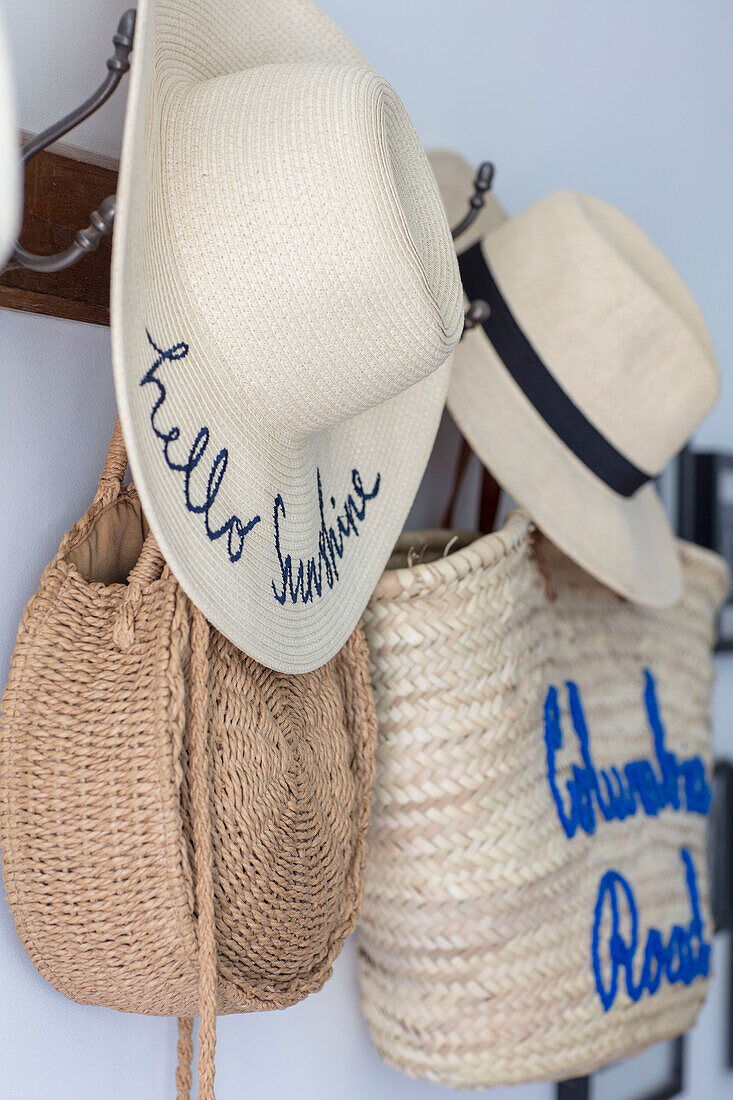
[(9, 160), (590, 373), (285, 302)]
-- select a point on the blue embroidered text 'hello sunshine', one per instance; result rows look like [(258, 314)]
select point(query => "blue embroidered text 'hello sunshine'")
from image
[(234, 528), (682, 957), (303, 582), (306, 581), (619, 794)]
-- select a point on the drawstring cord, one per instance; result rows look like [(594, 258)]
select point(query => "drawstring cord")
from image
[(202, 840), (185, 1057), (146, 570)]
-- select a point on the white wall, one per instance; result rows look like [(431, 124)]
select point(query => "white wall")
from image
[(631, 101)]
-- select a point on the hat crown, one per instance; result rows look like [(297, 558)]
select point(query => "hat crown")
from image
[(301, 191), (611, 320)]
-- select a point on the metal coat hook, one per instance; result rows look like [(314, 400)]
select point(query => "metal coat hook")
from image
[(101, 219), (481, 184), (479, 311)]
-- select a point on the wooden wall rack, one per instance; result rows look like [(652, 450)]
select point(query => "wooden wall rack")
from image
[(60, 190)]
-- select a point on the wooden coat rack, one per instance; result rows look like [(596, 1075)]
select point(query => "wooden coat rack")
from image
[(44, 274), (60, 190)]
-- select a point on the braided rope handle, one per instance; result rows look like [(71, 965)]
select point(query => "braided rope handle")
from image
[(115, 465), (149, 565)]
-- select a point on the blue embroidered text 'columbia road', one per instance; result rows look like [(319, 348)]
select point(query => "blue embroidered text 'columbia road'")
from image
[(682, 957), (618, 794)]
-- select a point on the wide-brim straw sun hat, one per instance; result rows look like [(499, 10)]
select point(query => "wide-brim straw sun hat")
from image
[(591, 372), (285, 302), (9, 160)]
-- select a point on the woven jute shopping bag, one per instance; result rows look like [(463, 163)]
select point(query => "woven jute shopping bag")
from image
[(536, 899), (183, 830)]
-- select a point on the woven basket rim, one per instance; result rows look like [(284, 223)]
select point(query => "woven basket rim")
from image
[(703, 558), (485, 551)]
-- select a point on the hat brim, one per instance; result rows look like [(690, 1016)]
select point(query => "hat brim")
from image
[(626, 543), (391, 440)]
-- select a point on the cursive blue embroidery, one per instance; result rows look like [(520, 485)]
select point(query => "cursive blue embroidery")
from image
[(234, 528), (619, 793), (307, 581), (683, 957)]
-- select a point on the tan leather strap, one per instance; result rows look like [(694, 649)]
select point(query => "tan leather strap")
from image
[(203, 856), (489, 506), (490, 494), (463, 456)]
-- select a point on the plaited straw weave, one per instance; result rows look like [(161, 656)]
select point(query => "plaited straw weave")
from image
[(183, 830), (475, 936)]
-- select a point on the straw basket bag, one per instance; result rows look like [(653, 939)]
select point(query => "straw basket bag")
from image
[(183, 830), (536, 898)]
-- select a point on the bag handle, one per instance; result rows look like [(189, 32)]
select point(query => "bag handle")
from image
[(150, 563), (490, 493), (488, 508), (148, 568), (115, 465)]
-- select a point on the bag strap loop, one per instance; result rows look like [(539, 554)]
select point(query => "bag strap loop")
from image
[(149, 566), (185, 1058)]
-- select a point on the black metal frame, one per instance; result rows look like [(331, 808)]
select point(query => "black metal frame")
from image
[(579, 1088), (720, 855), (721, 864), (730, 1003), (699, 511)]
